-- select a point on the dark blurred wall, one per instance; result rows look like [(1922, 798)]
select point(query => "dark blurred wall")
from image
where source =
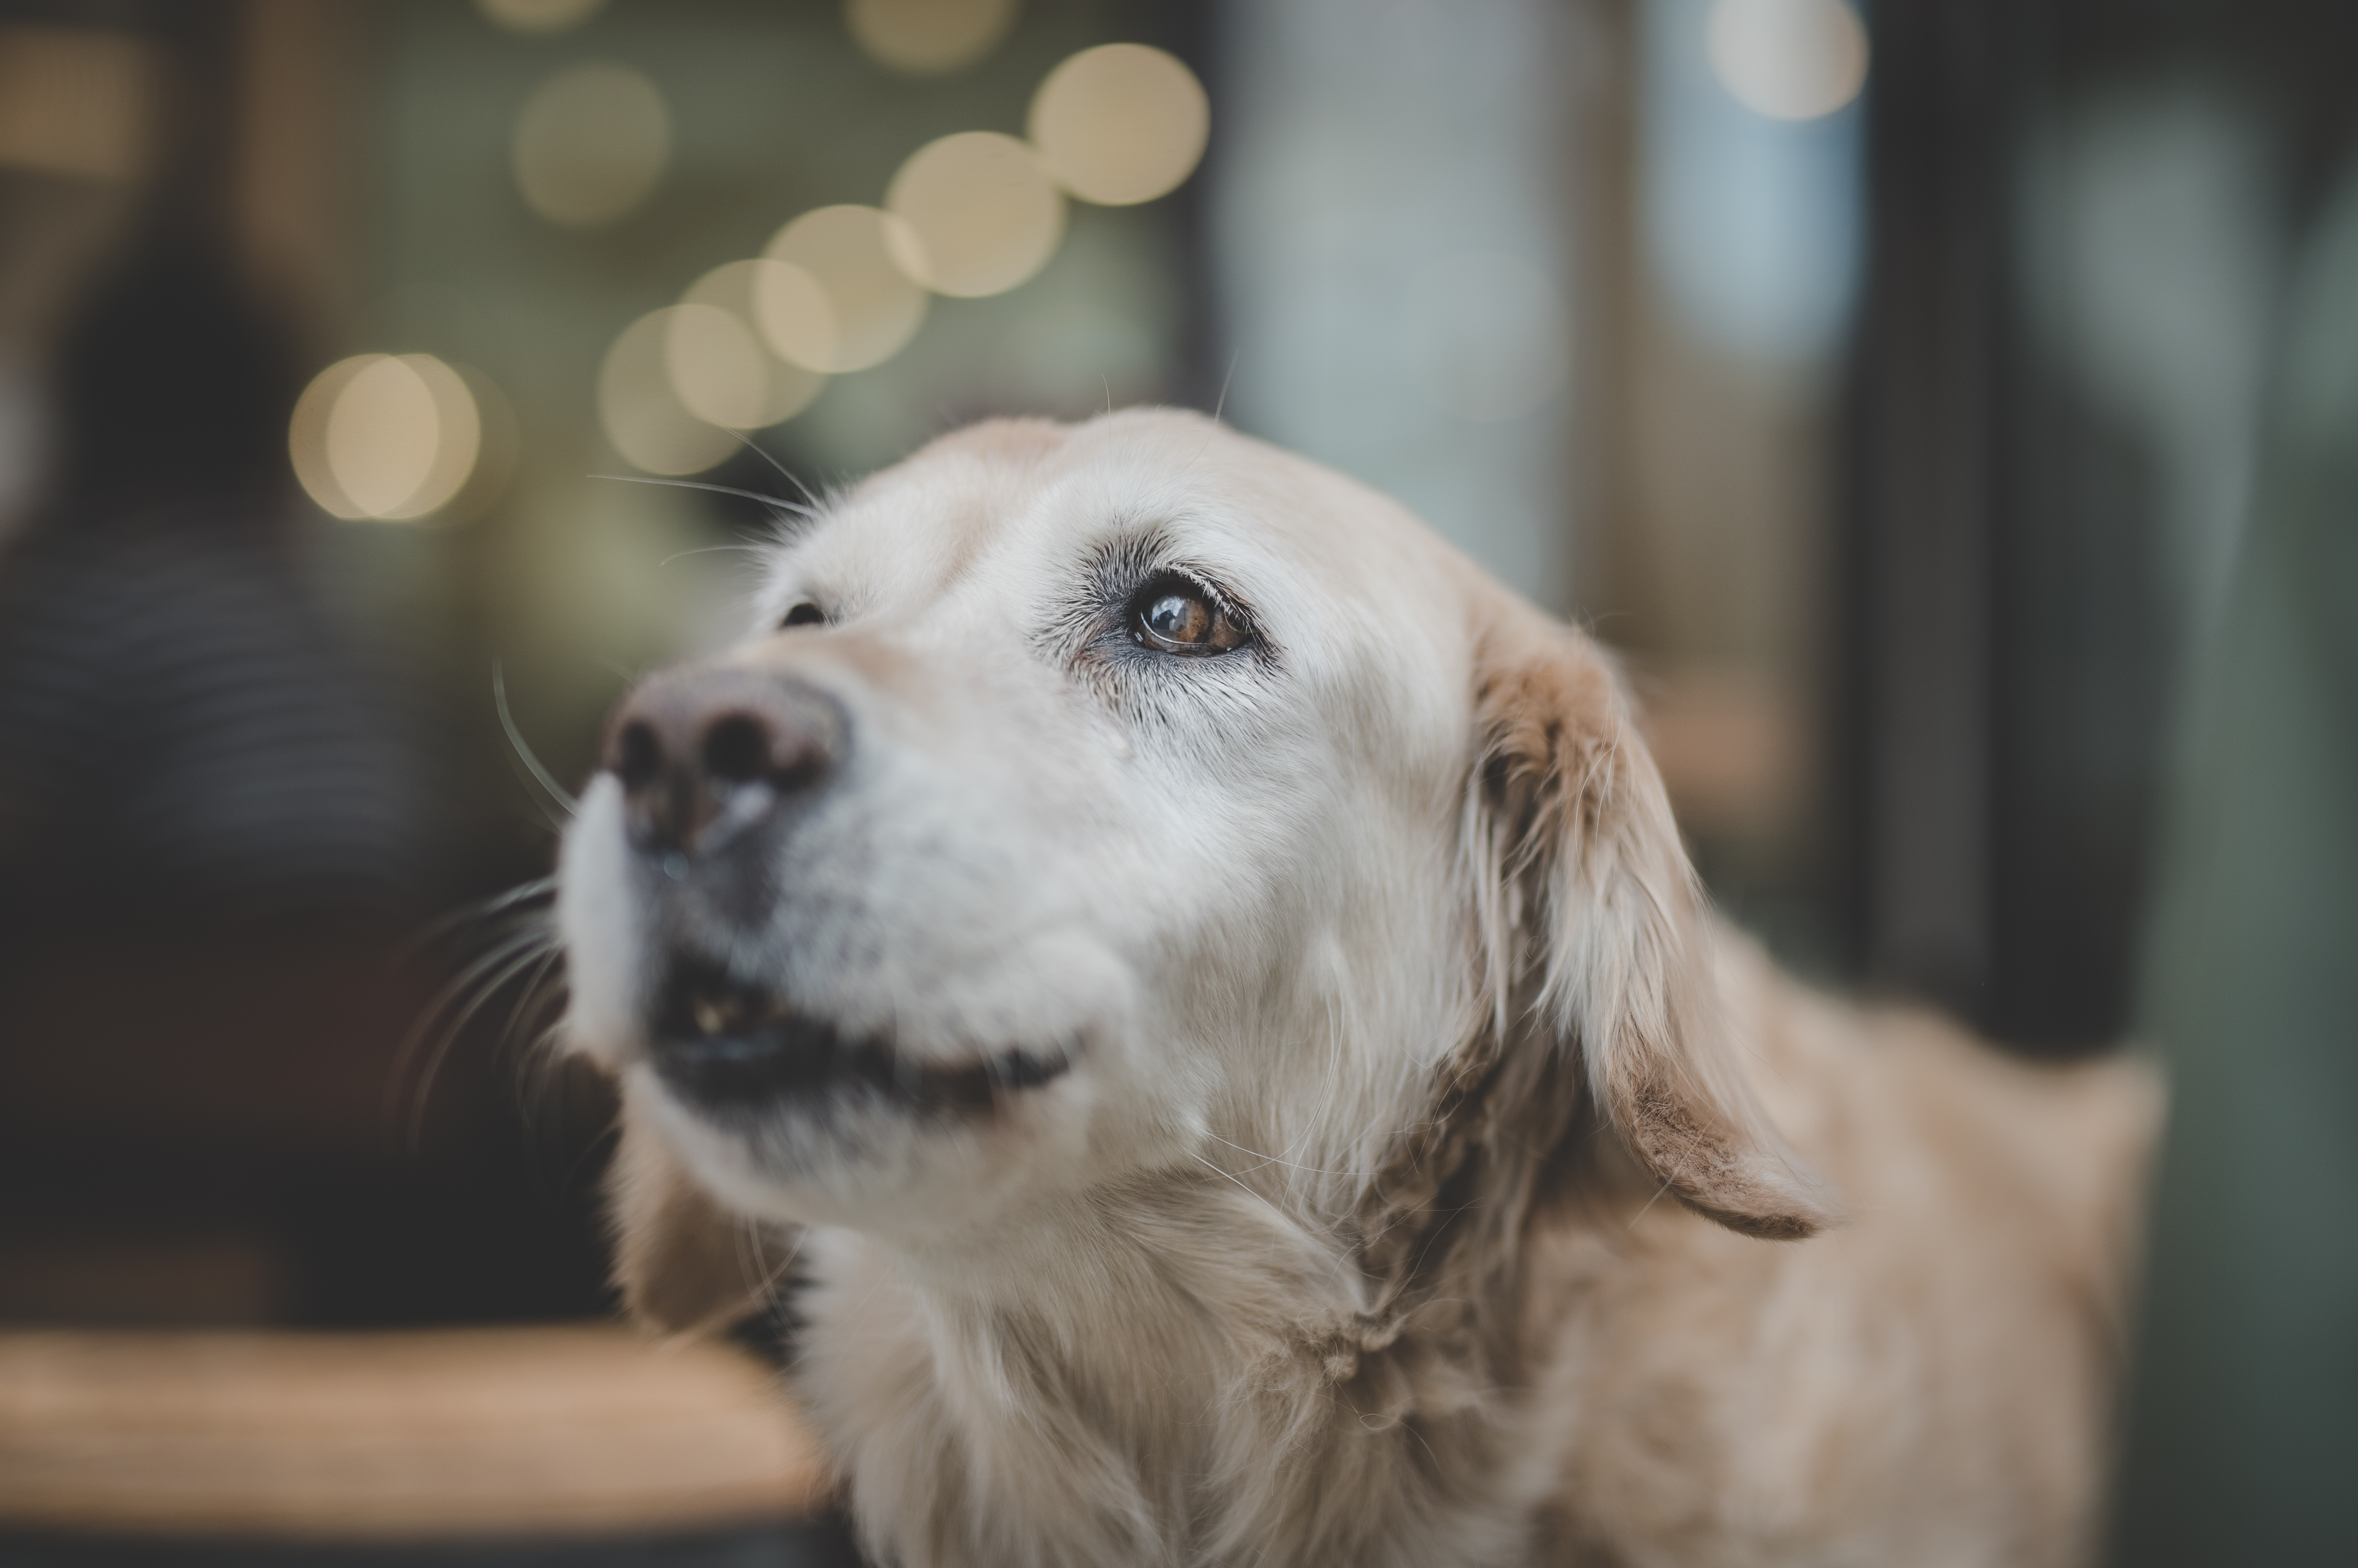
[(223, 818), (2102, 729), (2079, 215)]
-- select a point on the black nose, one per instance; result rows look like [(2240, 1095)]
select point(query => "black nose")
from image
[(705, 753)]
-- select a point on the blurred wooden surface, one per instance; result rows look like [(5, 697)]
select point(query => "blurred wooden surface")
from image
[(446, 1434)]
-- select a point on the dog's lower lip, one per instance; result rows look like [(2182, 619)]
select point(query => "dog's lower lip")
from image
[(721, 1044)]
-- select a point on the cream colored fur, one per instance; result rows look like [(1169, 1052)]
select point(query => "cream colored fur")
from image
[(1438, 1182)]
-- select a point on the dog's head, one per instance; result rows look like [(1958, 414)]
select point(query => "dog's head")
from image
[(1090, 802)]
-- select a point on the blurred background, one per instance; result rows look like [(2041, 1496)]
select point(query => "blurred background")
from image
[(1950, 407)]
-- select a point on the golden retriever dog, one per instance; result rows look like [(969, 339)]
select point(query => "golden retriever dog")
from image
[(1204, 987)]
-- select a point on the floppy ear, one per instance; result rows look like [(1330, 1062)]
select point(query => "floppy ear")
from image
[(1590, 917), (685, 1264)]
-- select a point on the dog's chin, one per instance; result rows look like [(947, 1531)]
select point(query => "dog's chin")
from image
[(801, 1118)]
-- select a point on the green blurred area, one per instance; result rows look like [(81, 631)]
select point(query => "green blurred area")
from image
[(2242, 1425)]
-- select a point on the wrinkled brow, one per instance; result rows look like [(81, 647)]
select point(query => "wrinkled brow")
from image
[(1096, 585)]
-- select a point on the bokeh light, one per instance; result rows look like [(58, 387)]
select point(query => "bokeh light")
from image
[(385, 437), (591, 144), (850, 251), (928, 37), (982, 212), (1791, 59), (793, 313), (783, 390), (717, 366), (641, 409), (307, 435), (1121, 124), (538, 15)]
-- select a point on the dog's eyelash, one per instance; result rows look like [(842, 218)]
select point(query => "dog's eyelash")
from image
[(1218, 599)]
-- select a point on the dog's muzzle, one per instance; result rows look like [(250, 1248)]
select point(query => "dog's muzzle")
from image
[(718, 764)]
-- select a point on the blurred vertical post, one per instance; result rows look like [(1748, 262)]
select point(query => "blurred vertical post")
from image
[(1716, 248), (1606, 272), (1923, 500), (293, 205), (2243, 1429)]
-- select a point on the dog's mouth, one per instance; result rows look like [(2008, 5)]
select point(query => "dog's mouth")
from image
[(722, 1044)]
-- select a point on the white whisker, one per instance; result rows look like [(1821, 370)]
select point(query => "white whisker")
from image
[(515, 738)]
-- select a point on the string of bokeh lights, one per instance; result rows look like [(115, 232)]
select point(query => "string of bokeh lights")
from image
[(751, 342), (840, 289), (844, 289)]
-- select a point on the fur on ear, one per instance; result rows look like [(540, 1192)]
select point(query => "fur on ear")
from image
[(1594, 936), (684, 1265)]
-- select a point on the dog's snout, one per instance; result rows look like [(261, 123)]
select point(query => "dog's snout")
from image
[(702, 754)]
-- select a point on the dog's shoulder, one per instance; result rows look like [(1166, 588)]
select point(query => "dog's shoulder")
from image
[(1960, 1326)]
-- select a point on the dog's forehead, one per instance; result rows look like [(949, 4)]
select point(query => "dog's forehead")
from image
[(1002, 513)]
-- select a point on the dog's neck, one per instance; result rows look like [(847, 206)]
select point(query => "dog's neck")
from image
[(1153, 1374)]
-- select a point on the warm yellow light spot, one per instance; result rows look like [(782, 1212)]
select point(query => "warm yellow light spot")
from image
[(982, 213), (384, 437), (1121, 124), (76, 101), (716, 365), (739, 289), (591, 144), (538, 15), (928, 37), (793, 313), (306, 433), (642, 412), (458, 426), (849, 252), (1791, 59)]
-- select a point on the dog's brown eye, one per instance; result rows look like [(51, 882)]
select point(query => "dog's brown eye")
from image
[(1178, 618), (803, 614)]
